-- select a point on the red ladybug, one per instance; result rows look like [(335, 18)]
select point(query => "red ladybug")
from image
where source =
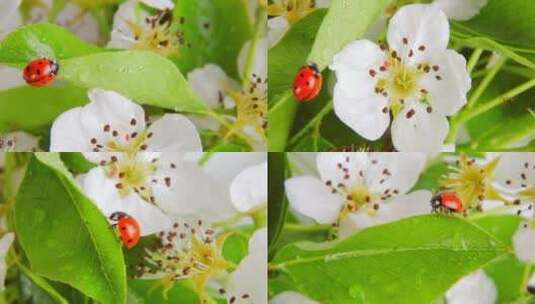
[(40, 72), (307, 83), (128, 228), (447, 201)]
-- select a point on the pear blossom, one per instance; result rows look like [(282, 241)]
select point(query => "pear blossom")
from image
[(111, 122), (213, 85), (416, 82), (18, 141), (248, 283), (475, 288), (291, 297), (5, 243), (135, 28), (359, 190), (285, 13), (259, 65), (9, 17)]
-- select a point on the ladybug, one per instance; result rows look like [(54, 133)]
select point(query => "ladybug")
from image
[(307, 83), (447, 201), (40, 72), (128, 228)]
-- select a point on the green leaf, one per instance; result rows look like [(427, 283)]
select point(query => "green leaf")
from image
[(506, 272), (345, 22), (27, 108), (414, 260), (508, 21), (65, 237), (143, 76), (486, 130), (153, 291), (215, 31), (235, 248), (284, 60), (76, 162), (43, 40), (277, 205), (430, 178)]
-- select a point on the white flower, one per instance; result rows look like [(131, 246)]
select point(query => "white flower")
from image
[(102, 190), (524, 242), (5, 243), (460, 9), (10, 78), (249, 189), (111, 122), (248, 283), (291, 297), (133, 27), (417, 81), (18, 141), (360, 189), (475, 288), (286, 13)]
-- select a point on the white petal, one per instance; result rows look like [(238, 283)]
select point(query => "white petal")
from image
[(291, 297), (251, 275), (210, 82), (515, 169), (192, 192), (364, 116), (249, 189), (424, 132), (402, 206), (475, 288), (173, 133), (159, 4), (323, 3), (67, 133), (10, 78), (7, 8), (394, 171), (359, 55), (524, 244), (421, 25), (309, 196), (460, 9), (277, 27), (447, 95), (259, 67), (5, 243), (102, 191)]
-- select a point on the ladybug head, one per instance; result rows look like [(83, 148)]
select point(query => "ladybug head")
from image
[(314, 66), (118, 215), (435, 202)]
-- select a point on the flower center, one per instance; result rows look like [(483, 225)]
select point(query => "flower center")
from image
[(472, 182), (133, 176), (157, 35), (251, 106), (7, 143), (188, 251), (293, 10)]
